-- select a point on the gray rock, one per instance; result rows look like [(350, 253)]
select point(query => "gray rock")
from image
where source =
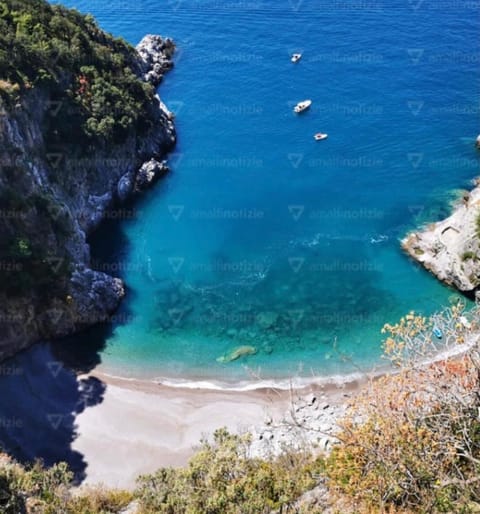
[(148, 173), (125, 187), (79, 191), (132, 508), (96, 295), (156, 54), (325, 443), (449, 248), (268, 436), (97, 207)]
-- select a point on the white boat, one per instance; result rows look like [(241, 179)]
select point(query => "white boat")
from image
[(302, 106), (320, 137), (296, 57)]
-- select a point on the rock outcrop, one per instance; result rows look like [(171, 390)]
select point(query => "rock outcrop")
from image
[(149, 173), (156, 54), (57, 199), (450, 249)]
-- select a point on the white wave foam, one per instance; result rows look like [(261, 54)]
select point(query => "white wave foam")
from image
[(250, 385)]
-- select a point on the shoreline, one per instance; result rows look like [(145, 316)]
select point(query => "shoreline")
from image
[(142, 425), (110, 430), (298, 383)]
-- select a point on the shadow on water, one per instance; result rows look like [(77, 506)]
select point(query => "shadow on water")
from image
[(42, 389), (40, 399)]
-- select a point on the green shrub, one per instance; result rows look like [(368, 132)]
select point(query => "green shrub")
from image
[(99, 501), (47, 486), (469, 255), (85, 71), (47, 491), (222, 479)]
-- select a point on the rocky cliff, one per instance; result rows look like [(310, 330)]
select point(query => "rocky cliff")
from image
[(450, 249), (53, 196)]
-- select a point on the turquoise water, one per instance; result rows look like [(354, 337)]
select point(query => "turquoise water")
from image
[(262, 236)]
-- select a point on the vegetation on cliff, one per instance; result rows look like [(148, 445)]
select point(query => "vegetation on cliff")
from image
[(90, 76), (78, 118)]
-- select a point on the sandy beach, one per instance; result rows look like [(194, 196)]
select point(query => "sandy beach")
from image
[(141, 426), (111, 429)]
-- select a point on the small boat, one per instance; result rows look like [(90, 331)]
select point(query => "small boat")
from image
[(302, 106), (296, 57), (437, 332), (320, 137)]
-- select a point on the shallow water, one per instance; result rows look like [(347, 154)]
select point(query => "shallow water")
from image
[(263, 237)]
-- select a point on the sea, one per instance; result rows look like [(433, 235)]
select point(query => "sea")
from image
[(265, 254)]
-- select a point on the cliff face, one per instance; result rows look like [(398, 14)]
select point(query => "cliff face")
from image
[(450, 249), (52, 198)]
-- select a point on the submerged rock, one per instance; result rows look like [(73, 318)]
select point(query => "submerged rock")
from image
[(241, 351)]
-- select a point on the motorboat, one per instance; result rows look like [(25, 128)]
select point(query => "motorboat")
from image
[(296, 57), (302, 106), (320, 137), (437, 332)]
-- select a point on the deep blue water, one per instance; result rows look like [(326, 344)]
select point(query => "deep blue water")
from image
[(262, 236)]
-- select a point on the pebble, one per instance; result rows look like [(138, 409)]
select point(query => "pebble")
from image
[(310, 419)]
